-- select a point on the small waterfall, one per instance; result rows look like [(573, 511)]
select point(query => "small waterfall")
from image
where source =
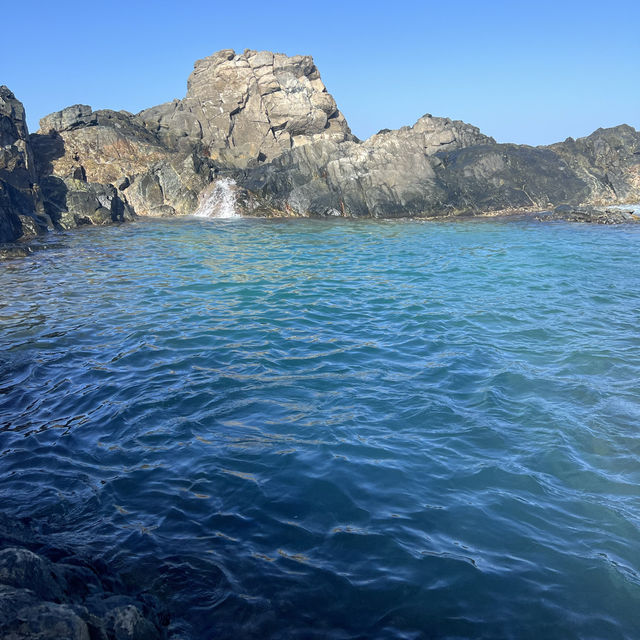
[(218, 200)]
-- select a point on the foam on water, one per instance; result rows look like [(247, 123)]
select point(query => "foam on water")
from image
[(335, 429), (218, 200)]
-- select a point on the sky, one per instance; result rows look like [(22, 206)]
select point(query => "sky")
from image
[(524, 72)]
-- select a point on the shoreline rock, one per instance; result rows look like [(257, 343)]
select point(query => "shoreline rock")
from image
[(619, 214), (267, 121), (55, 594)]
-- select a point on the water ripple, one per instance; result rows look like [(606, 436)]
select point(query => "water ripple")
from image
[(348, 429)]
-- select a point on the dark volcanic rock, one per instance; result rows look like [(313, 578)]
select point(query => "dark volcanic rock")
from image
[(595, 215), (19, 195), (45, 600), (608, 161), (493, 177), (71, 203)]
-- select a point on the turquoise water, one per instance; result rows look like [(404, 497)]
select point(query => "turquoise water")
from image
[(312, 429)]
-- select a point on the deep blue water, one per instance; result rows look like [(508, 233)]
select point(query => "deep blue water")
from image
[(312, 429)]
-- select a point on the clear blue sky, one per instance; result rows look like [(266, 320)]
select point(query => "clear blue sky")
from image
[(526, 72)]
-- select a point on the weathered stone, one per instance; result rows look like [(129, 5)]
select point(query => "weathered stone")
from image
[(608, 161), (128, 623), (594, 214), (24, 569), (71, 203), (105, 146), (41, 599), (32, 225), (247, 108), (394, 173), (18, 192), (78, 115), (170, 187)]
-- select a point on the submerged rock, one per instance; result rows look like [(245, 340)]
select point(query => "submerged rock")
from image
[(45, 600), (594, 215), (19, 193)]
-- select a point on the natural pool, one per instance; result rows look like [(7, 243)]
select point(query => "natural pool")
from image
[(312, 429)]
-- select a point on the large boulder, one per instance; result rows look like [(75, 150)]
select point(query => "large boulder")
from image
[(72, 202), (248, 108)]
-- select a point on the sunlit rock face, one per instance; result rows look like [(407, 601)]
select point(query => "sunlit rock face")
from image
[(608, 161), (248, 108)]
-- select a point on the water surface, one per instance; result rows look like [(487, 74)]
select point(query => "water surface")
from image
[(312, 429)]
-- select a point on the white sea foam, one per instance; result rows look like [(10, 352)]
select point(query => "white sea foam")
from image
[(218, 200)]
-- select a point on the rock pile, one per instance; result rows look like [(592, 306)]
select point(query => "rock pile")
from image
[(45, 600)]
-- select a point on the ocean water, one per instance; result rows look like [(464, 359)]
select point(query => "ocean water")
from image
[(334, 429)]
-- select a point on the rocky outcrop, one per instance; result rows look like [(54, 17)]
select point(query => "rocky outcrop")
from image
[(248, 108), (72, 202), (437, 167), (43, 182), (619, 214), (115, 148), (266, 122), (608, 161), (20, 201), (45, 600), (99, 146)]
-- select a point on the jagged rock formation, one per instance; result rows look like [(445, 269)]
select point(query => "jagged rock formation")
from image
[(65, 596), (32, 200), (20, 200), (267, 122), (101, 146), (116, 148), (240, 111), (436, 167), (617, 214), (247, 108), (608, 161)]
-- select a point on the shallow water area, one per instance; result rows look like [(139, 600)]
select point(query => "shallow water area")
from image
[(344, 429)]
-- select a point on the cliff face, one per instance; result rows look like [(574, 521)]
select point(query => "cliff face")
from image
[(267, 121), (19, 195), (116, 148), (437, 167), (248, 108)]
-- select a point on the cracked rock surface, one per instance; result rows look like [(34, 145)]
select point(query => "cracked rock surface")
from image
[(250, 107)]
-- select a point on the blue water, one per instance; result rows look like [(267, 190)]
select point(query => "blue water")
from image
[(312, 429)]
